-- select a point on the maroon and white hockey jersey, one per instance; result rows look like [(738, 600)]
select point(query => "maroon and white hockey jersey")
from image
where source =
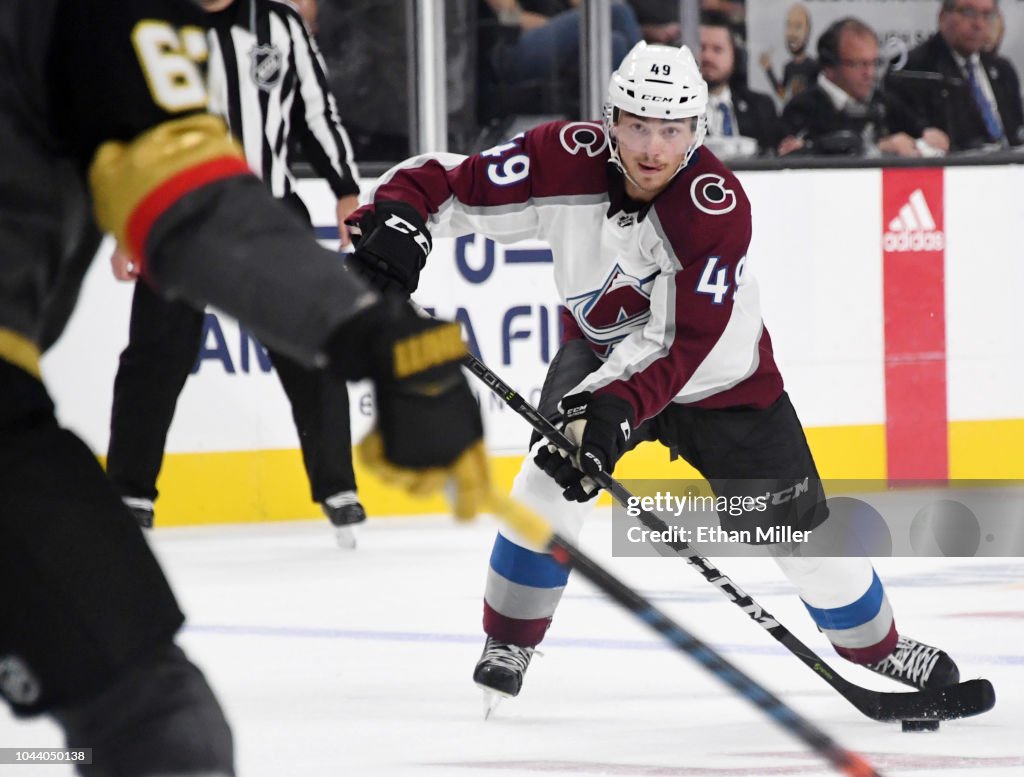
[(658, 290)]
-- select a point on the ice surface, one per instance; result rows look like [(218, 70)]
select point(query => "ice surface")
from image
[(358, 663)]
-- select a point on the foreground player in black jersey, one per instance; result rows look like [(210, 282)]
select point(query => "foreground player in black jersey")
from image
[(103, 126)]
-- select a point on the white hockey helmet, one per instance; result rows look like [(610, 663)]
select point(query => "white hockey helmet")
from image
[(662, 82)]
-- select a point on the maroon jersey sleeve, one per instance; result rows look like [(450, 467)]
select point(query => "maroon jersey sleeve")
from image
[(495, 192)]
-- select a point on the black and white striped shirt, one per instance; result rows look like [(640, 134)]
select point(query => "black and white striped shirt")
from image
[(267, 79)]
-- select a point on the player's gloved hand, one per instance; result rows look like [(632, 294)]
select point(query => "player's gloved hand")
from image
[(550, 458), (600, 427), (429, 434), (465, 481), (392, 244), (560, 468)]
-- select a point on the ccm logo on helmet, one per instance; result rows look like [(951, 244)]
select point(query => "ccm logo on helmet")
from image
[(710, 195), (655, 98)]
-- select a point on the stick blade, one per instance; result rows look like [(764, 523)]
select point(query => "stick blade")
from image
[(962, 700)]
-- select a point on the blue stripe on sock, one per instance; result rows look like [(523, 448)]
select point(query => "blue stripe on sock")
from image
[(526, 567), (851, 615)]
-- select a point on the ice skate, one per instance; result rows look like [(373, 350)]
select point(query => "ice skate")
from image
[(499, 672), (344, 512), (916, 664), (141, 509)]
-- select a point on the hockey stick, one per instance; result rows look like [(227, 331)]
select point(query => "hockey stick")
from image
[(965, 699), (538, 532)]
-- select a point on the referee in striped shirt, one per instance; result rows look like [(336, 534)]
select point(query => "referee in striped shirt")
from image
[(267, 79), (267, 67)]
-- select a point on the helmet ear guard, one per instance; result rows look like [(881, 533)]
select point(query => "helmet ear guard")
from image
[(659, 82)]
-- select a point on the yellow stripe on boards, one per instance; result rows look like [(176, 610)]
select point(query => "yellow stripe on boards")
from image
[(986, 450), (271, 485), (849, 452)]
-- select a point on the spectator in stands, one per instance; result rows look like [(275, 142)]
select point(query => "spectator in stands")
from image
[(979, 102), (802, 69), (846, 112), (735, 11), (734, 110), (544, 37), (659, 20)]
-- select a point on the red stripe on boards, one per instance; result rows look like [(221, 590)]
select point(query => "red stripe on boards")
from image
[(913, 256)]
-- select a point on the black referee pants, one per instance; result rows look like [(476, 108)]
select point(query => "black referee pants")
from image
[(164, 339)]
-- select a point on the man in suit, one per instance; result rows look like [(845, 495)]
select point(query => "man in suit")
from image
[(846, 112), (978, 103), (733, 109)]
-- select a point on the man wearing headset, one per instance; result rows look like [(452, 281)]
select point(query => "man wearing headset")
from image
[(846, 112)]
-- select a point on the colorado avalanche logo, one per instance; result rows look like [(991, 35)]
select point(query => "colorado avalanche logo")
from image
[(620, 306), (583, 136), (711, 196)]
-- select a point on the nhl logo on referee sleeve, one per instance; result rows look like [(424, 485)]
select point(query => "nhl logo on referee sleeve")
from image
[(265, 68)]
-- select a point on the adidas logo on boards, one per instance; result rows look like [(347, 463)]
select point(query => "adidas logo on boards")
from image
[(914, 229)]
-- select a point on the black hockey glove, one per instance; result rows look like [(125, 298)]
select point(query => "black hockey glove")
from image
[(392, 244), (601, 426), (429, 431)]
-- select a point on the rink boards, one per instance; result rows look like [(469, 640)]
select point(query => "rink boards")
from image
[(893, 298)]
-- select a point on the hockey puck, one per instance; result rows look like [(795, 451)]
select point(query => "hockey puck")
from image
[(920, 725)]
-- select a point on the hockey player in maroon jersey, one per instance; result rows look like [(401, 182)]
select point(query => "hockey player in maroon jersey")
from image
[(664, 341), (102, 112)]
